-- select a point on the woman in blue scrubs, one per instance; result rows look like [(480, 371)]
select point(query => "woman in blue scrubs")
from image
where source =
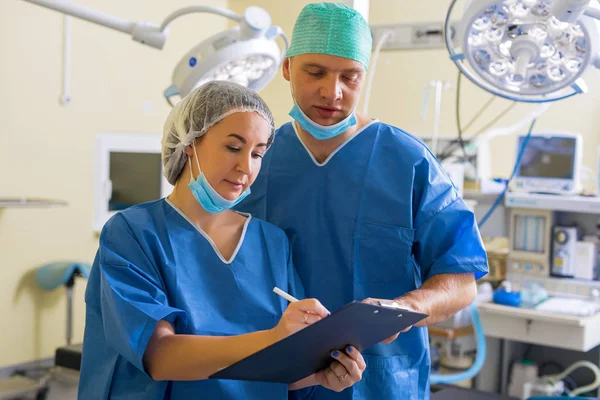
[(182, 287)]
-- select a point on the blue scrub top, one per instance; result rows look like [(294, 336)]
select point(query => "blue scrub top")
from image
[(376, 219), (154, 264)]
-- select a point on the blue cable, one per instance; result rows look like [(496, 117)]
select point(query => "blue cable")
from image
[(438, 379), (517, 164)]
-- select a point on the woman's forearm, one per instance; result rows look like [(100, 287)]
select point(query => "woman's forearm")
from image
[(189, 357), (308, 381)]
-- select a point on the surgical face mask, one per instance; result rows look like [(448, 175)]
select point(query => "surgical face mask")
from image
[(208, 197), (321, 132), (318, 131)]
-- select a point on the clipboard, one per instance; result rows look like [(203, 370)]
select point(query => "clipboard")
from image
[(361, 325)]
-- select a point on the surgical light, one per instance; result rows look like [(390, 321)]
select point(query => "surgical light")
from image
[(246, 54), (526, 50)]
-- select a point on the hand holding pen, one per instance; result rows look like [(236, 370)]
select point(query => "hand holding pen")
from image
[(298, 315)]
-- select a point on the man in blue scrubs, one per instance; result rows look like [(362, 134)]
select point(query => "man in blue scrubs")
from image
[(368, 209)]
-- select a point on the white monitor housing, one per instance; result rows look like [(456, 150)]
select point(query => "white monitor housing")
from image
[(128, 171), (551, 163)]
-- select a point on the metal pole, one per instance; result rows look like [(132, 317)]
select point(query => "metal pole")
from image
[(69, 314)]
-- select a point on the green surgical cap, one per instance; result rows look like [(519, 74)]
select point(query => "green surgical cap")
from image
[(334, 29)]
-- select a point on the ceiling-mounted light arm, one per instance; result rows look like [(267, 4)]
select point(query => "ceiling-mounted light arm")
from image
[(571, 10), (87, 14), (140, 31), (592, 12), (199, 9), (246, 53), (274, 32)]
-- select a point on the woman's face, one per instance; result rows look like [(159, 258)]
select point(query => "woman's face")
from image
[(230, 153)]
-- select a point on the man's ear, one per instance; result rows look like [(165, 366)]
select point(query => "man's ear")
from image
[(286, 69)]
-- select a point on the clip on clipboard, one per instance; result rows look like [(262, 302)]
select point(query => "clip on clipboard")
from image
[(361, 325)]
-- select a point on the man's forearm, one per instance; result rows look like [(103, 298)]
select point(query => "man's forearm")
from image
[(441, 296)]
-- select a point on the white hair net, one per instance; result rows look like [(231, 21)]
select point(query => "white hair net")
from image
[(196, 113)]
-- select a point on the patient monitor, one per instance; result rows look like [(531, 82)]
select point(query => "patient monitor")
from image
[(551, 163)]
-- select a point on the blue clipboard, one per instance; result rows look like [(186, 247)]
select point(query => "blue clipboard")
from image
[(307, 351)]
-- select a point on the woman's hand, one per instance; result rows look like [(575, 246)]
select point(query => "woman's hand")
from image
[(344, 372), (297, 316)]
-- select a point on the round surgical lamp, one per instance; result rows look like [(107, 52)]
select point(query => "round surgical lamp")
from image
[(246, 54), (526, 50)]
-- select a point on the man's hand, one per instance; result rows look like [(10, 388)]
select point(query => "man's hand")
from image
[(400, 304)]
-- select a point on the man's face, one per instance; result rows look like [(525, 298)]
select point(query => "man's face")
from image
[(327, 88)]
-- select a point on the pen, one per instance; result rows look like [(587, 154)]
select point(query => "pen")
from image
[(283, 294)]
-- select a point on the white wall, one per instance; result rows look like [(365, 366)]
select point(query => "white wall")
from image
[(48, 151)]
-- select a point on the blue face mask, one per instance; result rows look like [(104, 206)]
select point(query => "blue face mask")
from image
[(208, 197), (321, 132)]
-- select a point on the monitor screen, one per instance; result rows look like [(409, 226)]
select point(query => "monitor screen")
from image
[(548, 157), (135, 177)]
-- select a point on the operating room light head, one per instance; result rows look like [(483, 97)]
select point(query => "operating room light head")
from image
[(246, 54), (520, 47), (246, 71)]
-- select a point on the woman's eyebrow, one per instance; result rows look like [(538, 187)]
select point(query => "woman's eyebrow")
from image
[(241, 139), (238, 137)]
